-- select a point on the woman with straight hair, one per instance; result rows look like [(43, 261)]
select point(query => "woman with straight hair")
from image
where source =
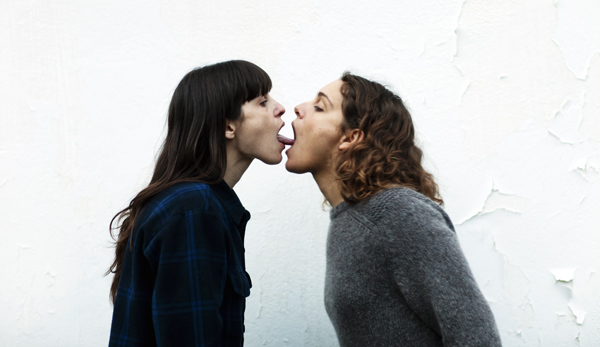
[(396, 275), (179, 271)]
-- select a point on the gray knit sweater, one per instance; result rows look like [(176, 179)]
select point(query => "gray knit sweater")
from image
[(396, 276)]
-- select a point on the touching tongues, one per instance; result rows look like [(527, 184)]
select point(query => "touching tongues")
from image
[(285, 140)]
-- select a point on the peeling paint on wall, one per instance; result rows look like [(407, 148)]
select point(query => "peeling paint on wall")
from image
[(497, 200), (566, 123), (578, 313), (505, 96), (577, 34)]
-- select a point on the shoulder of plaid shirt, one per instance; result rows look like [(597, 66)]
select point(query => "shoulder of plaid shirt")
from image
[(183, 282)]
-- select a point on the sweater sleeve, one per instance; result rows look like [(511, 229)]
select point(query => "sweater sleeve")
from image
[(429, 268), (189, 257)]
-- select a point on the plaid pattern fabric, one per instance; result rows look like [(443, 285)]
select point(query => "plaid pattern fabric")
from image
[(184, 281)]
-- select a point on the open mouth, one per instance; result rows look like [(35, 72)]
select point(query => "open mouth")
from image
[(285, 140)]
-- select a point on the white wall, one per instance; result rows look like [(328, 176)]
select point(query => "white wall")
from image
[(505, 96)]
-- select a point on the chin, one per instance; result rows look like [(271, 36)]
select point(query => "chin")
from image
[(291, 168), (272, 161)]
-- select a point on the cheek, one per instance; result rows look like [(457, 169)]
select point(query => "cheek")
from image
[(269, 121), (326, 134)]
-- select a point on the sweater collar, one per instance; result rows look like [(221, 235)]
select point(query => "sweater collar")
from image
[(340, 208)]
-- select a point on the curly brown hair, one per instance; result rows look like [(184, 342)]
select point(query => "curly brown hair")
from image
[(387, 156)]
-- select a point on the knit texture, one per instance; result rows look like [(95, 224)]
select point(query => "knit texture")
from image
[(396, 276)]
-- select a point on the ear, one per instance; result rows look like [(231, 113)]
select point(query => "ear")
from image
[(230, 128), (350, 138)]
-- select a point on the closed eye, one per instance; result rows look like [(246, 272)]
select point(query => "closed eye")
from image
[(318, 109)]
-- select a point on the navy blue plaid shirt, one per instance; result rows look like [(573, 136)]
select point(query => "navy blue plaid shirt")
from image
[(184, 282)]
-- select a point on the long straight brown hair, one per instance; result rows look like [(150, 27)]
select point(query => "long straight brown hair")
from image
[(194, 148)]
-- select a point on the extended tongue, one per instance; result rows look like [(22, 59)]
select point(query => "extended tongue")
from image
[(285, 140)]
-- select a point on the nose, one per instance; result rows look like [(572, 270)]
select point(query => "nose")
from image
[(279, 110), (297, 111)]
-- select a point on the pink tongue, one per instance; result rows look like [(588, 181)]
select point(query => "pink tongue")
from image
[(285, 140)]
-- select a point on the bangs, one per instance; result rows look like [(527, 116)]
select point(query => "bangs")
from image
[(252, 81)]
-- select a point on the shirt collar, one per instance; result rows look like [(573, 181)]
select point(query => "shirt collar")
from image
[(231, 202)]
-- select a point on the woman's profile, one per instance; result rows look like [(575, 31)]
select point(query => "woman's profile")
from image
[(396, 275), (179, 271)]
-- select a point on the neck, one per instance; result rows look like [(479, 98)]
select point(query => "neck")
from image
[(236, 166), (329, 187)]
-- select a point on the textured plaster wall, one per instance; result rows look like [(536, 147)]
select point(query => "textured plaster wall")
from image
[(505, 96)]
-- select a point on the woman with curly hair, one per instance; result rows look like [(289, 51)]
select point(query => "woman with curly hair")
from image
[(396, 275), (179, 271)]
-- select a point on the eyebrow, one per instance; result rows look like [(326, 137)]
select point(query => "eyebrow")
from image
[(323, 95)]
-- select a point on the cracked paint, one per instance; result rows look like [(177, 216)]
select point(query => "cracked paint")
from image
[(578, 313), (577, 34), (505, 96), (517, 287), (566, 123), (564, 278), (500, 201), (564, 275)]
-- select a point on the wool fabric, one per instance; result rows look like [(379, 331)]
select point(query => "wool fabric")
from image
[(396, 276)]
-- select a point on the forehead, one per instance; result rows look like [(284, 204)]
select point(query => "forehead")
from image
[(332, 90)]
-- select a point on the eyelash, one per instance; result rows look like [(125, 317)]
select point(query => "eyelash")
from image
[(318, 109), (264, 102)]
